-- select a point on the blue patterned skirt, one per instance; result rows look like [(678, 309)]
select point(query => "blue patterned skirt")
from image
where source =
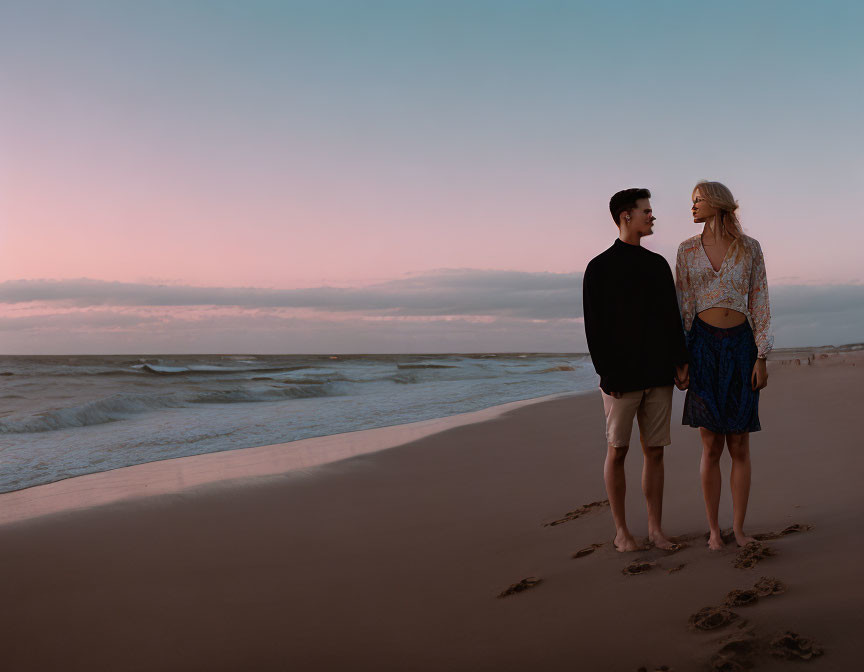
[(720, 397)]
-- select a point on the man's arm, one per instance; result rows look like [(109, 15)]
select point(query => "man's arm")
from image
[(677, 344), (596, 329), (672, 324)]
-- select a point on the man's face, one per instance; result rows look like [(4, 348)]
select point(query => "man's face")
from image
[(642, 218)]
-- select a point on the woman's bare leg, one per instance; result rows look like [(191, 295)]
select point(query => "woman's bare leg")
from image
[(712, 481), (739, 450)]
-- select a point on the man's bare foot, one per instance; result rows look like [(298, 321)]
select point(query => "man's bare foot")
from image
[(625, 543), (660, 541), (742, 539), (715, 542)]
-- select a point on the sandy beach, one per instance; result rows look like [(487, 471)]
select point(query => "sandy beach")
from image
[(394, 559)]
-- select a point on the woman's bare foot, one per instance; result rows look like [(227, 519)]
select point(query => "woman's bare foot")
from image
[(742, 539), (624, 543), (715, 542), (660, 541)]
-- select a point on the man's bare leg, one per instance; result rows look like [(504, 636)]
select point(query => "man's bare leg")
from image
[(616, 489), (739, 450), (712, 481), (652, 488)]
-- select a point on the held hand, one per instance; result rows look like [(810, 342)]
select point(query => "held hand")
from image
[(682, 377), (759, 377)]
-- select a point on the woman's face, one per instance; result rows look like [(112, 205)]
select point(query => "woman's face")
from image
[(701, 210)]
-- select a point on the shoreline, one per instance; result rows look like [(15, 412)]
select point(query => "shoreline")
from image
[(181, 473), (175, 475)]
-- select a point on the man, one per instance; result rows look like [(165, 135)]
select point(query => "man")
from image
[(637, 347)]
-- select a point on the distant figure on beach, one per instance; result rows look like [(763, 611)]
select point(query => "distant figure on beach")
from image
[(637, 346), (723, 296)]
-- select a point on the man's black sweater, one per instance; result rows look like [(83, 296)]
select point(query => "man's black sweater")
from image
[(631, 319)]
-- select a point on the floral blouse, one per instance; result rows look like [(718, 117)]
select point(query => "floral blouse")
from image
[(740, 285)]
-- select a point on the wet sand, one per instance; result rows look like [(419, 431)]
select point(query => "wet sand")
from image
[(393, 560)]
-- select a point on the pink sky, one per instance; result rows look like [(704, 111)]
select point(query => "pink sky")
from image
[(91, 223)]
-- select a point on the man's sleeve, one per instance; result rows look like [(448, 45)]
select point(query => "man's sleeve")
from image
[(592, 312), (677, 344)]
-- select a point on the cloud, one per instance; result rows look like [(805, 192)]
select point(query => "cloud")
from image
[(258, 332), (456, 310), (79, 320), (788, 300), (445, 292)]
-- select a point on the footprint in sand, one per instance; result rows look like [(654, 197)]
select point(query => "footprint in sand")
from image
[(578, 513), (676, 545), (792, 529), (711, 618), (735, 653), (751, 554), (768, 585), (764, 587), (650, 552), (524, 584), (739, 652), (638, 567), (742, 598), (791, 645), (588, 550)]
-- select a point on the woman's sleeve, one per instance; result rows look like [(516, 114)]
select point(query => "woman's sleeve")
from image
[(684, 289), (757, 303)]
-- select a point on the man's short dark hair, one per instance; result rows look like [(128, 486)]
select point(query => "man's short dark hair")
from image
[(625, 201)]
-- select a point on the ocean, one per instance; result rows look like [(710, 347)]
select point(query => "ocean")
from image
[(65, 416)]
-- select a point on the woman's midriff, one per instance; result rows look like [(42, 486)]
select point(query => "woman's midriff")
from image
[(723, 318)]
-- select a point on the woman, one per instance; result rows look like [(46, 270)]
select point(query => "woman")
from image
[(723, 296)]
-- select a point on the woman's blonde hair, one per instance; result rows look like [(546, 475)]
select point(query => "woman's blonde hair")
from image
[(719, 197)]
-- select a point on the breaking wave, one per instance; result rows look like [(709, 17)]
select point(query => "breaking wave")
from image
[(122, 406), (169, 370)]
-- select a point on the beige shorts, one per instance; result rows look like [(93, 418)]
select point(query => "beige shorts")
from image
[(652, 408)]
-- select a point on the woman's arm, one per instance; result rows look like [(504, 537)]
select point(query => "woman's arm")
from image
[(758, 305), (760, 314)]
